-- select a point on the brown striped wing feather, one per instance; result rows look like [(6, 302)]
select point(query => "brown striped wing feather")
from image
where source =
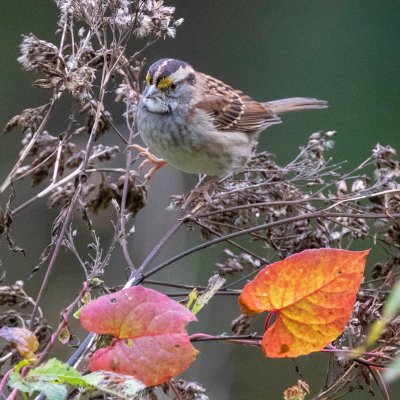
[(231, 109)]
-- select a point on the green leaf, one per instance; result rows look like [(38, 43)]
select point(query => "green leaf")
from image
[(21, 364), (86, 298), (122, 386), (53, 391), (77, 313), (55, 370), (15, 381)]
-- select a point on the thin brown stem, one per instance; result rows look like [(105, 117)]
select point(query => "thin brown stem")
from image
[(56, 251), (261, 227)]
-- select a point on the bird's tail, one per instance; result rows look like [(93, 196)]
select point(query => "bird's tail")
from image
[(295, 104)]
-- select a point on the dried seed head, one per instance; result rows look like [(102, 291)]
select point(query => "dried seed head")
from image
[(188, 390), (129, 96), (240, 325), (136, 195), (155, 19), (28, 120), (103, 123), (358, 185), (35, 53), (78, 79), (237, 263), (341, 188)]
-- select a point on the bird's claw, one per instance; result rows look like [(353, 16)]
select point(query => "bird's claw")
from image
[(149, 159)]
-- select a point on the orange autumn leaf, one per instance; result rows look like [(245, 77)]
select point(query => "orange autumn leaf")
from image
[(312, 294)]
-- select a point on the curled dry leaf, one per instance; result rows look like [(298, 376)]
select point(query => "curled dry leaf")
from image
[(151, 341), (298, 392), (313, 295), (22, 339)]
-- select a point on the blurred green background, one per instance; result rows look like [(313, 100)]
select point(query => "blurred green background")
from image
[(343, 51)]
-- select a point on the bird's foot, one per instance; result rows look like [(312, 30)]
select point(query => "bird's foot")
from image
[(149, 159)]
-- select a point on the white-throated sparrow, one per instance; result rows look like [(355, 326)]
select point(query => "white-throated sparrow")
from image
[(201, 125)]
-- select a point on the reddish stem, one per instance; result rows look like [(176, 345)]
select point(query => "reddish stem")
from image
[(268, 319), (4, 380), (174, 389)]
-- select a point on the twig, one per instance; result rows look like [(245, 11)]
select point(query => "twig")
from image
[(380, 383), (55, 253), (71, 206), (57, 163), (261, 227), (361, 198), (120, 231), (155, 250), (66, 313), (231, 242)]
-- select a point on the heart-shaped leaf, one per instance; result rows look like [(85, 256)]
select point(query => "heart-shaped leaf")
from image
[(312, 293), (151, 341)]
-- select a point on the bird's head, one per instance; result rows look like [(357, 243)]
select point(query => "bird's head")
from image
[(169, 82)]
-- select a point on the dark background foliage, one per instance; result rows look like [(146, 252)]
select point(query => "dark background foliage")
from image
[(346, 52)]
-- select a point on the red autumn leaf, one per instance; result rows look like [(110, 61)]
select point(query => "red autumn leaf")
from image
[(151, 359), (152, 344), (22, 339), (312, 294)]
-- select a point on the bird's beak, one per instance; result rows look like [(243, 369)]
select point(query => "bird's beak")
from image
[(152, 92), (154, 100)]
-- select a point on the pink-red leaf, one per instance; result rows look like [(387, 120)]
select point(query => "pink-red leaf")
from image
[(312, 293), (134, 312), (150, 359), (152, 344)]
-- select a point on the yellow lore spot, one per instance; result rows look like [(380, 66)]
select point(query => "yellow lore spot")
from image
[(148, 78), (164, 84)]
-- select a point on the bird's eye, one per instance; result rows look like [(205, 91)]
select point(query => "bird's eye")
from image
[(173, 86)]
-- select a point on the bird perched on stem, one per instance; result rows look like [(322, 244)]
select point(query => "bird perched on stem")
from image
[(201, 125)]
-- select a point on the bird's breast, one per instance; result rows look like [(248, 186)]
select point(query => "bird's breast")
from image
[(193, 145)]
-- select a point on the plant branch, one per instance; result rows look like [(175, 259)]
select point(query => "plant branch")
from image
[(261, 227), (56, 251)]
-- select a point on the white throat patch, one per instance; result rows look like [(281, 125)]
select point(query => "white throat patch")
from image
[(155, 105)]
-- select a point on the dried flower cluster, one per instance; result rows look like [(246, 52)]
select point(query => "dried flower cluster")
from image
[(142, 17), (309, 195), (70, 73), (81, 59), (298, 392), (187, 390), (235, 263)]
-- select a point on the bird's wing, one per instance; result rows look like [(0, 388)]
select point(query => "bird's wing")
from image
[(230, 109)]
